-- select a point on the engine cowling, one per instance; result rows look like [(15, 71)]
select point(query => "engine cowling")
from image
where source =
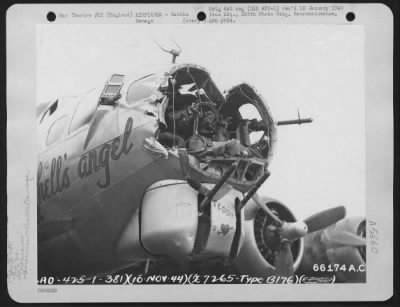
[(259, 250), (354, 256)]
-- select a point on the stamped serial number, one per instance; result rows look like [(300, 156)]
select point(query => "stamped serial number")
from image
[(336, 267)]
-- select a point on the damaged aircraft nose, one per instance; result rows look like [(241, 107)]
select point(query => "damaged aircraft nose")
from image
[(212, 127)]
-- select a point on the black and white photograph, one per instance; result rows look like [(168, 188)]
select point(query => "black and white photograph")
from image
[(199, 154), (168, 164)]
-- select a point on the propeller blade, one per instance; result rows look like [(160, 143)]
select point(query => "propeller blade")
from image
[(284, 260), (325, 218), (257, 199), (345, 238)]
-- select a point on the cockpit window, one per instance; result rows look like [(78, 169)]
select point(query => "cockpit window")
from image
[(85, 110), (112, 89), (117, 78), (56, 130), (142, 88)]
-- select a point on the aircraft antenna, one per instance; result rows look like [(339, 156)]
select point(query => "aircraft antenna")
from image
[(173, 107), (174, 52)]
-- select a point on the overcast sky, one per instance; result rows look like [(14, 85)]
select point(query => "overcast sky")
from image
[(315, 68)]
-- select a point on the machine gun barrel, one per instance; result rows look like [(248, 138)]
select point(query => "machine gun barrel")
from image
[(298, 121)]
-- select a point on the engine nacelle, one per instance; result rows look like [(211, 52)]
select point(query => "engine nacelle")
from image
[(256, 257), (168, 224), (169, 219)]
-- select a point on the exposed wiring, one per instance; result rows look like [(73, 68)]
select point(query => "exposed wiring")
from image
[(195, 84), (196, 121), (173, 109)]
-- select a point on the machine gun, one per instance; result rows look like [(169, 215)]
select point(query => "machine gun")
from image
[(297, 121)]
